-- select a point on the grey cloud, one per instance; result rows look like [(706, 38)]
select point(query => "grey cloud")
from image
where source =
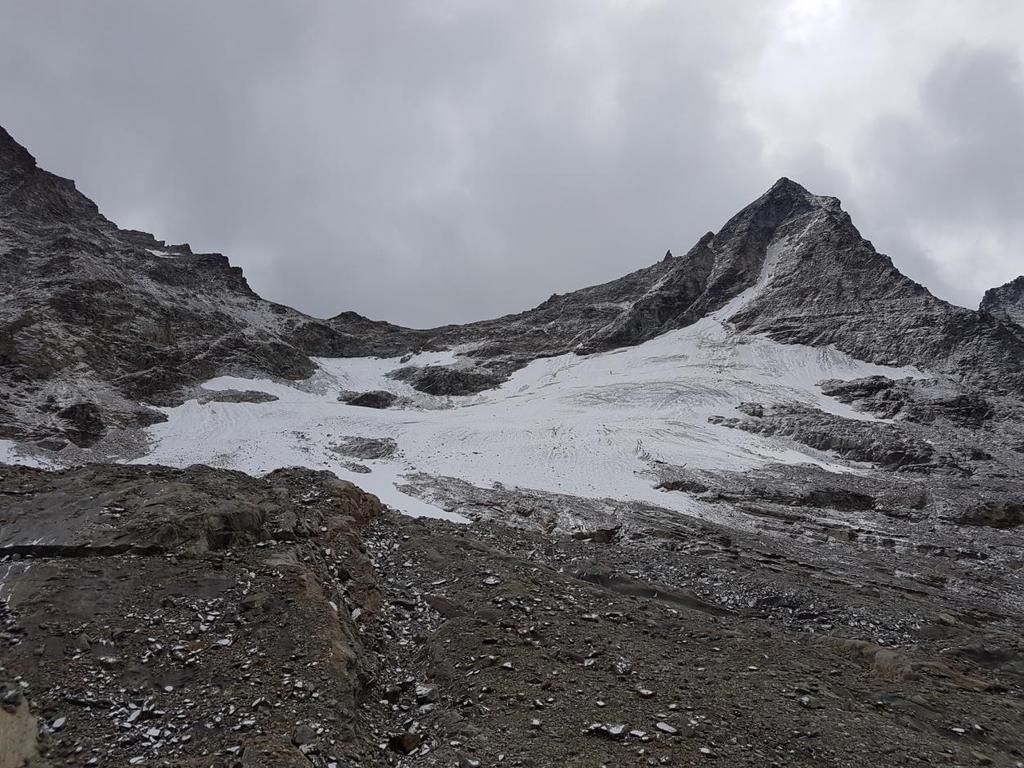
[(953, 171), (425, 163), (443, 161)]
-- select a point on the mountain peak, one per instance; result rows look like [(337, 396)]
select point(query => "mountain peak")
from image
[(786, 185), (13, 156), (39, 199), (789, 192)]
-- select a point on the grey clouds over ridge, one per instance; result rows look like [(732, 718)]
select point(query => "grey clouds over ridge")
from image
[(433, 162)]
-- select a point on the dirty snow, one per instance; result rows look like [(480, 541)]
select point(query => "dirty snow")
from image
[(10, 454)]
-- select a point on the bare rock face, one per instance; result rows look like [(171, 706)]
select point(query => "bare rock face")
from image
[(1006, 302), (375, 398), (150, 510), (825, 284), (921, 401), (882, 444), (441, 380), (85, 424), (366, 447)]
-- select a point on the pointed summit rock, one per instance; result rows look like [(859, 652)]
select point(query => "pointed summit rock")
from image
[(717, 269), (13, 156), (38, 201), (790, 265), (821, 283)]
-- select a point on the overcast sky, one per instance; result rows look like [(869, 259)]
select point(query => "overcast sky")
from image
[(449, 160)]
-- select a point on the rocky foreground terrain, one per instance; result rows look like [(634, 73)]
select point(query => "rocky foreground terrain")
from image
[(758, 504), (206, 617)]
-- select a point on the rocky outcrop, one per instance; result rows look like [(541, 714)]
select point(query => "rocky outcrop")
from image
[(155, 510), (235, 396), (85, 424), (882, 444), (375, 398), (1006, 302), (917, 400), (995, 513), (366, 447), (442, 380)]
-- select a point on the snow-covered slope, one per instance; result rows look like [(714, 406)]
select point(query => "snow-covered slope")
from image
[(588, 426)]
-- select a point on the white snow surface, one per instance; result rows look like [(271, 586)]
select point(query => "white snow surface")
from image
[(588, 426)]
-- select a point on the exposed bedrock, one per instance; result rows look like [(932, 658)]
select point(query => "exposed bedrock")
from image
[(441, 380), (867, 441), (375, 398)]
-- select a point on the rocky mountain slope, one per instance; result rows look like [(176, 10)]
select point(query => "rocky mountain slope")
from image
[(104, 321), (819, 283), (99, 319), (1006, 302), (758, 504)]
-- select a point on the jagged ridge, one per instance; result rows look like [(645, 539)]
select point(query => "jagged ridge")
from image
[(94, 313)]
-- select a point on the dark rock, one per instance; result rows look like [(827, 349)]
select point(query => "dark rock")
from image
[(879, 443), (751, 409), (236, 396), (372, 399), (995, 513), (303, 735), (404, 743), (1006, 302), (86, 427), (442, 380), (599, 535), (366, 447), (922, 402)]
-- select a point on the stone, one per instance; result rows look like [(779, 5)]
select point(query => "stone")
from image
[(303, 734), (405, 743), (373, 399)]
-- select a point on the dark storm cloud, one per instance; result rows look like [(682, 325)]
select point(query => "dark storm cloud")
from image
[(443, 161)]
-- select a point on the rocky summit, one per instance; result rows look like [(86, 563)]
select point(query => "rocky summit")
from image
[(758, 504)]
